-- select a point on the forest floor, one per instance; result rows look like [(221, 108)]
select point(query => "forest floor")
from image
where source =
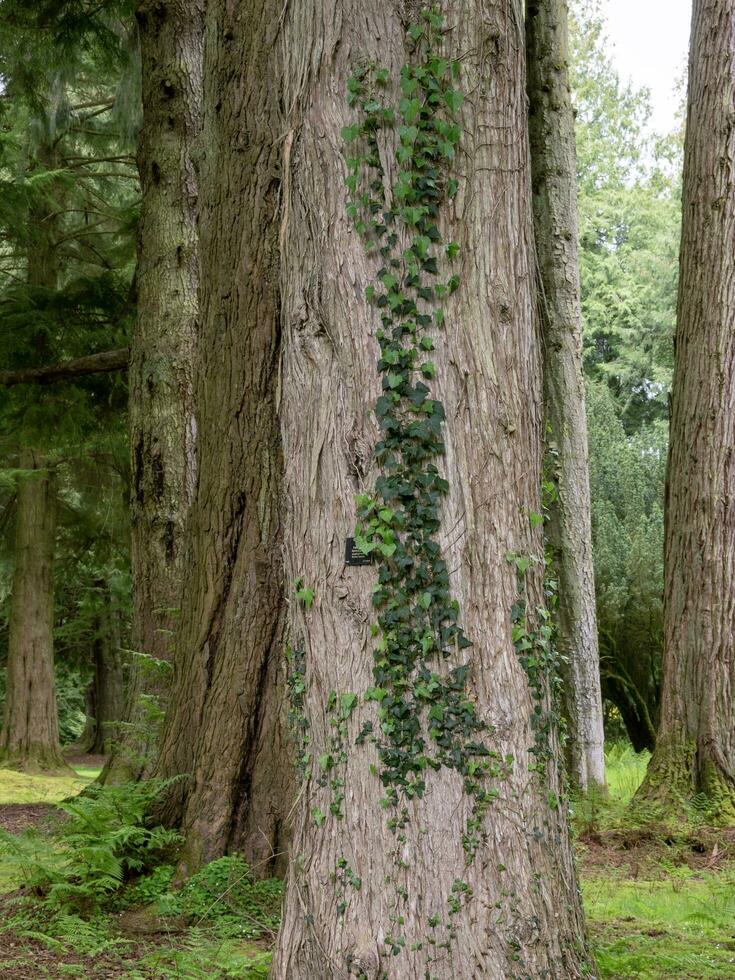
[(660, 901)]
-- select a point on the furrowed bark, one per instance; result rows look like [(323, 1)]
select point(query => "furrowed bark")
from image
[(229, 645), (695, 748), (523, 916), (569, 529), (161, 373), (30, 735)]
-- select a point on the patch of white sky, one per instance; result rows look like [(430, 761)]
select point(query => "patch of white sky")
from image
[(649, 41)]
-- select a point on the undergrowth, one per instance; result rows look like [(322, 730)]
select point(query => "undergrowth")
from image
[(100, 887)]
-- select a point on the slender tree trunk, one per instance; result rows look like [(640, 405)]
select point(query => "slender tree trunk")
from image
[(162, 424), (230, 638), (105, 697), (569, 528), (392, 890), (695, 748), (30, 734)]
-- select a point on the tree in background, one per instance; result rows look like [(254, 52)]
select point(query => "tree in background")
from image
[(568, 527), (222, 728), (65, 210), (629, 213), (695, 749), (161, 375)]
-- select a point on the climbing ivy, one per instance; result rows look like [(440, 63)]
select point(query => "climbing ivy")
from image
[(417, 619)]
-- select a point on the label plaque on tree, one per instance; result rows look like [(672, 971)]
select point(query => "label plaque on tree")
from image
[(353, 555)]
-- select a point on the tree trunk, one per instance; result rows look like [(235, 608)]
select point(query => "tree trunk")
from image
[(162, 425), (569, 528), (695, 748), (30, 736), (230, 640), (105, 700), (384, 882)]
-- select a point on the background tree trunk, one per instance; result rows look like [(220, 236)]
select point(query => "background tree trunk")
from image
[(514, 911), (569, 530), (105, 696), (695, 748), (30, 733), (163, 348), (230, 640)]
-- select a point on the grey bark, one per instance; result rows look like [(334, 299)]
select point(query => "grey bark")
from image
[(695, 748), (30, 735), (523, 918), (569, 529), (163, 348)]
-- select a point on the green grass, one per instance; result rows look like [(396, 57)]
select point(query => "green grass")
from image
[(671, 929), (651, 918), (18, 787)]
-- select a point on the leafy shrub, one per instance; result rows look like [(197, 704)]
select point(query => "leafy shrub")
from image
[(225, 895)]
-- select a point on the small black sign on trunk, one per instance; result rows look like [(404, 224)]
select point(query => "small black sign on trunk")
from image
[(353, 555)]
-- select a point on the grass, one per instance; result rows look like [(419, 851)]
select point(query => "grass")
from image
[(18, 787), (670, 929), (660, 905)]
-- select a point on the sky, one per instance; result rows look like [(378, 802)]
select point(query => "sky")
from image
[(650, 39)]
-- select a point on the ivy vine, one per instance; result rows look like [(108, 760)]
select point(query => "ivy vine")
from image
[(417, 618)]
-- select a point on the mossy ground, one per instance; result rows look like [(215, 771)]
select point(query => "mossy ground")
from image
[(660, 900)]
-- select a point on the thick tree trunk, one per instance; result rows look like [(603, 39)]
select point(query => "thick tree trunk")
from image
[(391, 890), (162, 423), (30, 734), (105, 697), (695, 748), (569, 527), (230, 639)]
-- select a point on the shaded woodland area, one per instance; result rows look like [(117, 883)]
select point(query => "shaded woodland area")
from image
[(367, 482)]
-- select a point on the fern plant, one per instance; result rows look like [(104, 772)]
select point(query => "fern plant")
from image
[(104, 840)]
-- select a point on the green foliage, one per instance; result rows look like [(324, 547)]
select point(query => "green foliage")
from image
[(102, 842), (629, 217), (674, 926), (226, 896), (626, 482)]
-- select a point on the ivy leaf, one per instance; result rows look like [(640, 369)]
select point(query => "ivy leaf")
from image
[(452, 249), (318, 816), (348, 700), (415, 31), (428, 369), (350, 133), (425, 600), (326, 762), (453, 99)]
